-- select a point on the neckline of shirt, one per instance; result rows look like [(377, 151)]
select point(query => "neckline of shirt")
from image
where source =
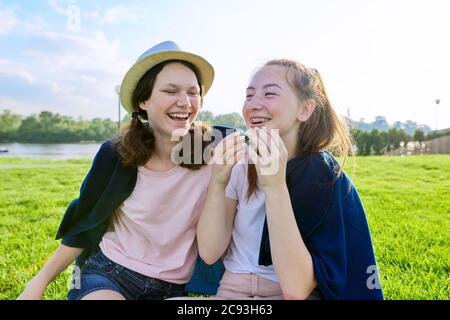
[(147, 171)]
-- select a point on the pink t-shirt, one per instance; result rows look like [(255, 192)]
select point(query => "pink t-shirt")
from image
[(153, 232)]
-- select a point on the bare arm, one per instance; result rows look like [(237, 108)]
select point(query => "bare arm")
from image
[(58, 262), (290, 256), (216, 224), (291, 259)]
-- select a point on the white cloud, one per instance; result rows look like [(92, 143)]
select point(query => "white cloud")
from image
[(115, 14), (20, 107), (35, 24), (120, 13), (16, 70), (57, 7), (79, 71), (58, 88), (8, 21), (73, 53)]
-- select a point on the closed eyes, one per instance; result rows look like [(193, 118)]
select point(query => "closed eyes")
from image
[(266, 94), (192, 93)]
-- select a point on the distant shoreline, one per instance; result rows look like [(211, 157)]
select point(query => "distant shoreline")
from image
[(45, 142), (52, 151)]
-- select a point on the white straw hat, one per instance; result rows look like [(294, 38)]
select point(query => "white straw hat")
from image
[(164, 51)]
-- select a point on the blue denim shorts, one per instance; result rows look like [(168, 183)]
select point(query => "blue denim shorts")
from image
[(100, 273)]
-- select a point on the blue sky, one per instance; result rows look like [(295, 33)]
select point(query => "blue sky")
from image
[(381, 57)]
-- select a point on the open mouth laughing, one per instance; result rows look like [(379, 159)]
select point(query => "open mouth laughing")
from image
[(258, 122), (181, 117)]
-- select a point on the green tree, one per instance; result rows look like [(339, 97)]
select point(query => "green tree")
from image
[(437, 134), (54, 128), (29, 130), (206, 116), (234, 120), (376, 142), (362, 141), (9, 123), (419, 135)]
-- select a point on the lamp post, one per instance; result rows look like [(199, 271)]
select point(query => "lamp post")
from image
[(117, 89), (437, 101)]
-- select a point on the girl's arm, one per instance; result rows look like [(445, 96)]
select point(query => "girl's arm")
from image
[(291, 259), (216, 221), (216, 224), (58, 262)]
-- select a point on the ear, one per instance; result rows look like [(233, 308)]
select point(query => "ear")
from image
[(143, 105), (306, 110)]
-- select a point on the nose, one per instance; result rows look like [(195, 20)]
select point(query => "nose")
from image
[(183, 100), (253, 104)]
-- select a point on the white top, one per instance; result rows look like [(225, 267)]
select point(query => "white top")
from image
[(243, 253)]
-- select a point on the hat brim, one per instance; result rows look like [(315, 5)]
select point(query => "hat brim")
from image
[(137, 71)]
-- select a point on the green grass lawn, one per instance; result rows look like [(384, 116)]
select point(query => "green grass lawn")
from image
[(23, 161), (407, 201)]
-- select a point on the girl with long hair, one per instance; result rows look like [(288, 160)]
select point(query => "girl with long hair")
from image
[(133, 228), (286, 219)]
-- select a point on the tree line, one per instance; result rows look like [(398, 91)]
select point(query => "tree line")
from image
[(368, 141), (48, 127), (377, 142)]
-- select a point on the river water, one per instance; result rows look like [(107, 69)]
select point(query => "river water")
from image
[(50, 151)]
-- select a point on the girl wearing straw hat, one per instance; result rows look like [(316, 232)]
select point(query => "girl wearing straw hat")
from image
[(132, 230)]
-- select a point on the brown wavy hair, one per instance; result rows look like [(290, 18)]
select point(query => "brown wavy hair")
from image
[(324, 130), (136, 141)]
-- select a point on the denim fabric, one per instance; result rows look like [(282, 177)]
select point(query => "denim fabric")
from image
[(100, 273)]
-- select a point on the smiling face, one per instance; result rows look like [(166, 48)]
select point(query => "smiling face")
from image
[(175, 100), (271, 102)]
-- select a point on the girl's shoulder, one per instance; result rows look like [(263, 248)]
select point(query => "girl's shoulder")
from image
[(319, 167), (106, 158), (324, 161), (108, 149)]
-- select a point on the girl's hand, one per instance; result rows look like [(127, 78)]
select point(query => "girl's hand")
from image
[(34, 290), (226, 154), (268, 152)]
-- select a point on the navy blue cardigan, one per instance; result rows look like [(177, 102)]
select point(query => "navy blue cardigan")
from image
[(327, 209)]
